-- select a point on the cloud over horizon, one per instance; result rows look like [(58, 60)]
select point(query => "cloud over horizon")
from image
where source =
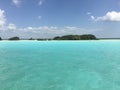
[(44, 31)]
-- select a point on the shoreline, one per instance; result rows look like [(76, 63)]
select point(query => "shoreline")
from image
[(60, 40)]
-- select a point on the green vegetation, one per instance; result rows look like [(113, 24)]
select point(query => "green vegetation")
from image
[(45, 39), (76, 37), (31, 39), (40, 39), (0, 38), (88, 37), (65, 37), (14, 38)]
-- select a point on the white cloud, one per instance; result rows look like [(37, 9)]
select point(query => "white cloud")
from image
[(110, 16), (16, 2), (11, 26), (39, 17), (2, 18), (40, 2), (92, 17), (88, 13), (29, 28), (3, 24)]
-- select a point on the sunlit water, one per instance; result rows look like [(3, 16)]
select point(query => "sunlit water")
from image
[(60, 65)]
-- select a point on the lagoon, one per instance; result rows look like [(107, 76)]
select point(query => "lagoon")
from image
[(60, 65)]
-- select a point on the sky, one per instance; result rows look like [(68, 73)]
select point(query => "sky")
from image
[(50, 18)]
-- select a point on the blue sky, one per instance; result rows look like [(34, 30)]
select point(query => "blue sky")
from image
[(49, 18)]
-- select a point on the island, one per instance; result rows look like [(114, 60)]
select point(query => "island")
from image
[(64, 37), (14, 38), (0, 38), (76, 37)]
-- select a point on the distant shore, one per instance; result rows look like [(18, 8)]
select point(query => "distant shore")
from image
[(83, 37), (113, 39)]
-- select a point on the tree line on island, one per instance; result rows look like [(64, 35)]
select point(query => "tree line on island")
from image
[(65, 37), (76, 37)]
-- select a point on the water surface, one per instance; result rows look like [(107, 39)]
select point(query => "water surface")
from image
[(60, 65)]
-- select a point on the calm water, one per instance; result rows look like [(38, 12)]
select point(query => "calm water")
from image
[(60, 65)]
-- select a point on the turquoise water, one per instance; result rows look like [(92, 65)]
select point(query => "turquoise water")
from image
[(60, 65)]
